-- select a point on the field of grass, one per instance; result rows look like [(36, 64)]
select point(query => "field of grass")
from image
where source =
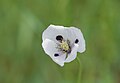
[(22, 58)]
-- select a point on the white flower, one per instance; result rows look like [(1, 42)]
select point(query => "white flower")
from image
[(62, 43)]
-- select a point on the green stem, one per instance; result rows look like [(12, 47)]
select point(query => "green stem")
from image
[(79, 71)]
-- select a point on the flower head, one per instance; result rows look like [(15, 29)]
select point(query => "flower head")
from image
[(62, 43)]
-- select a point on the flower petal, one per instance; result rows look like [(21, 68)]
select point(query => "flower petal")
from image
[(60, 59), (53, 31), (73, 53), (77, 34), (49, 47)]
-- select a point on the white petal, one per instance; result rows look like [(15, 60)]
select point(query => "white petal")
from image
[(60, 59), (49, 47), (78, 35), (73, 53), (52, 31)]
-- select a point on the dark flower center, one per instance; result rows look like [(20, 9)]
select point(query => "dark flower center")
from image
[(63, 45)]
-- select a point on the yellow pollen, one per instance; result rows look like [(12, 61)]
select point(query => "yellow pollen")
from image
[(64, 45)]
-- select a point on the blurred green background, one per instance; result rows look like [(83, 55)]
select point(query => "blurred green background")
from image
[(22, 59)]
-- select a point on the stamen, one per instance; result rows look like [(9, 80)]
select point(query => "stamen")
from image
[(64, 45)]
